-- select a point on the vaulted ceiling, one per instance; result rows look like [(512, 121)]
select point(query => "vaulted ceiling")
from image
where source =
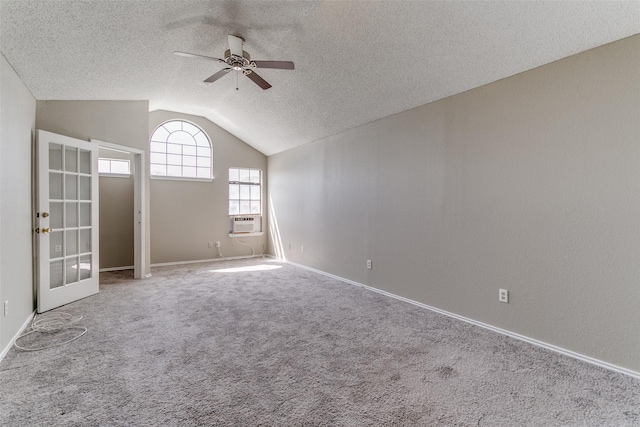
[(355, 62)]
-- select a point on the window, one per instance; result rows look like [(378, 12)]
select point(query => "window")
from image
[(245, 191), (115, 167), (180, 149)]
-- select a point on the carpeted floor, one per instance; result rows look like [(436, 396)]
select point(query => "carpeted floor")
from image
[(260, 343)]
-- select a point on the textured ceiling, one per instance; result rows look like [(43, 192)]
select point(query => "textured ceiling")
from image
[(355, 61)]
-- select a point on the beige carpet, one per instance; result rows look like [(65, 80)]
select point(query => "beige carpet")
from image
[(261, 343)]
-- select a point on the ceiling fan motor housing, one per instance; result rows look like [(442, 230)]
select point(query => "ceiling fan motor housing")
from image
[(238, 63)]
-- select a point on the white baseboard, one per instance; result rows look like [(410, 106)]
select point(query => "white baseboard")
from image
[(128, 267), (16, 336), (197, 261), (533, 341)]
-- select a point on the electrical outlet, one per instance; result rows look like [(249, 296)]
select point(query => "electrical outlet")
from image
[(57, 248), (217, 244), (6, 308), (503, 295), (210, 244), (369, 264), (301, 249)]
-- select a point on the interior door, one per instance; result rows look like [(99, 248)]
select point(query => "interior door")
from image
[(67, 220)]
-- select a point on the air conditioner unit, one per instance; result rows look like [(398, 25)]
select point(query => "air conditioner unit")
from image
[(244, 224)]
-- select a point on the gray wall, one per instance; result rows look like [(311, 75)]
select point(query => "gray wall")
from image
[(187, 215), (116, 216), (529, 184), (119, 122), (17, 136)]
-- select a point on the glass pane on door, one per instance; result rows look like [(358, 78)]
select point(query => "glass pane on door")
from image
[(85, 214), (70, 159), (55, 185), (85, 188), (55, 274), (72, 214), (85, 267), (71, 187), (55, 212), (71, 270), (85, 241), (55, 157), (72, 242), (85, 161), (55, 244)]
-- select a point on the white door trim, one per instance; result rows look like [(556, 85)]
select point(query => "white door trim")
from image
[(139, 224)]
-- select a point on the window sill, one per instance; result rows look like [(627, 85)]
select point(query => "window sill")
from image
[(114, 175), (254, 234), (180, 178)]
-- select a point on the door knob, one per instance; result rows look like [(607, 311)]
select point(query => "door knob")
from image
[(45, 214), (46, 230)]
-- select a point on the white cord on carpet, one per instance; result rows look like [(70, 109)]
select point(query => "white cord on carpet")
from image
[(56, 322)]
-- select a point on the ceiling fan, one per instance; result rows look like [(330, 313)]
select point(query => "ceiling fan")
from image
[(235, 58)]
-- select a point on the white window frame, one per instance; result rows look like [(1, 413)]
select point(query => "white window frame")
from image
[(239, 199), (111, 174), (155, 151)]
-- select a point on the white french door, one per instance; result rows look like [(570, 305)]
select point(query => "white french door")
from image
[(67, 220)]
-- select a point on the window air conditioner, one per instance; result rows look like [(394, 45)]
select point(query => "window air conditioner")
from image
[(244, 224)]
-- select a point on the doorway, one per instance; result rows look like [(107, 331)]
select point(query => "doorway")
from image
[(139, 223)]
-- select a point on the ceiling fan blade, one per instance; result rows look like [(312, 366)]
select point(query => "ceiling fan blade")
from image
[(217, 75), (259, 80), (235, 45), (281, 65), (195, 55)]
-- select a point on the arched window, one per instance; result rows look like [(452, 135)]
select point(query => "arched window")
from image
[(180, 149)]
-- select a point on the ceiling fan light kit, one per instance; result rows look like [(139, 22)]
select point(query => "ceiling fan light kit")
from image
[(235, 58)]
